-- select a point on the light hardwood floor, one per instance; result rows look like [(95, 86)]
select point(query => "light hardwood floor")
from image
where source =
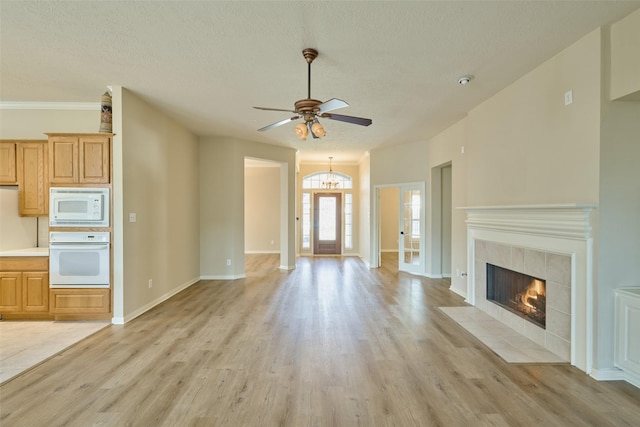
[(330, 343)]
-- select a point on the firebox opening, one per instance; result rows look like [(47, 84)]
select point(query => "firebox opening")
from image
[(519, 293)]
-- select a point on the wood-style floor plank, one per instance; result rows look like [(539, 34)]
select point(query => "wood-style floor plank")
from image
[(330, 343)]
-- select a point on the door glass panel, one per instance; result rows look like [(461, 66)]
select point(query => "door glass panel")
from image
[(411, 227), (327, 219)]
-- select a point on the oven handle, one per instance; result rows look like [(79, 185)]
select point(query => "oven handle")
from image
[(75, 246)]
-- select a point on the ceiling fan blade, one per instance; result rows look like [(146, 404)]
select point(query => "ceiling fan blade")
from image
[(274, 109), (276, 124), (349, 119), (332, 104)]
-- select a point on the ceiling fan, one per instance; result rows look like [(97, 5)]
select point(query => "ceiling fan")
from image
[(311, 109)]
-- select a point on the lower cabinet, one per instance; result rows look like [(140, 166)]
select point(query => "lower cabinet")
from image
[(79, 301), (24, 292)]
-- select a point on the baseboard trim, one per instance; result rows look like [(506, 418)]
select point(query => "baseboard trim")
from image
[(287, 267), (615, 374), (129, 317), (222, 277), (260, 252)]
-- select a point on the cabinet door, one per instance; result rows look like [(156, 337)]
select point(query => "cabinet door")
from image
[(33, 193), (35, 291), (63, 159), (94, 159), (8, 163), (79, 301), (10, 292)]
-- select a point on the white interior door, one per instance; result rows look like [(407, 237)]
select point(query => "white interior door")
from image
[(410, 247)]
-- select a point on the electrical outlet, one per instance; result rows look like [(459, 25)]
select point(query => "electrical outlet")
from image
[(228, 262), (568, 97), (150, 284), (272, 242)]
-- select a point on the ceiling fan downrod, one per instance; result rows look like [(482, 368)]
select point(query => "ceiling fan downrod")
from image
[(309, 54)]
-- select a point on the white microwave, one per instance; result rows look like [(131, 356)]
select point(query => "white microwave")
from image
[(78, 207)]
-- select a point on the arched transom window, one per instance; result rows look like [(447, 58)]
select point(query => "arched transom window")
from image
[(316, 180)]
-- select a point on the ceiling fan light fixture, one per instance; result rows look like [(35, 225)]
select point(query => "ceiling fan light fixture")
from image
[(318, 130), (301, 131)]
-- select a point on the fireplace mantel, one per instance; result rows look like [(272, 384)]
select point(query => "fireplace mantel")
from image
[(563, 229), (571, 220)]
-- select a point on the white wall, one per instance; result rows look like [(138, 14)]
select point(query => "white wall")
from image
[(619, 209), (156, 177)]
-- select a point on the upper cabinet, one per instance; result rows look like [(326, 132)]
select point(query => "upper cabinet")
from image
[(8, 174), (33, 190), (79, 158), (25, 163)]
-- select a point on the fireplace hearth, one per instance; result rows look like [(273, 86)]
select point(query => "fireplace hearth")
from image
[(519, 293)]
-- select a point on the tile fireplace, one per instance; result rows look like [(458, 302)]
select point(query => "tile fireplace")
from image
[(548, 243)]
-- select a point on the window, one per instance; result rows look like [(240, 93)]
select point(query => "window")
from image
[(306, 220), (348, 221), (315, 180)]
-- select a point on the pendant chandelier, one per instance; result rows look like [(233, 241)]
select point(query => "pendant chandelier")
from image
[(331, 181)]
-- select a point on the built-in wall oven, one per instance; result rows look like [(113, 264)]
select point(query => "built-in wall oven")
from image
[(79, 259)]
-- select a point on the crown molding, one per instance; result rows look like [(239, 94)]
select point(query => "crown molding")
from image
[(16, 105)]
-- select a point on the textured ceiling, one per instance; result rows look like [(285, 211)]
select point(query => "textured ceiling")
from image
[(207, 63)]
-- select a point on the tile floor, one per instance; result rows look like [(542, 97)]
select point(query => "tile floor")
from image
[(24, 344), (501, 339)]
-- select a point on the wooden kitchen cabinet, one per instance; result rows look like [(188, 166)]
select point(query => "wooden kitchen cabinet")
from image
[(24, 287), (8, 174), (79, 158), (80, 302), (33, 184)]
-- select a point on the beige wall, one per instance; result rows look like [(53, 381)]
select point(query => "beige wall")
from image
[(364, 207), (262, 209), (389, 212), (526, 147), (625, 58), (449, 149), (156, 177), (32, 124), (394, 165), (20, 232), (222, 204)]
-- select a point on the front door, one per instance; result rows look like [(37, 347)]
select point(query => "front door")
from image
[(327, 226)]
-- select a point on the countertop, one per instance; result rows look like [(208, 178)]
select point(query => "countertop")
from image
[(25, 252)]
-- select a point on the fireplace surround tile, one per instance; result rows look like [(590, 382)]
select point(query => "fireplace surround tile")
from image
[(559, 296), (558, 323), (498, 254), (565, 230), (557, 335), (534, 263), (517, 259), (559, 268)]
